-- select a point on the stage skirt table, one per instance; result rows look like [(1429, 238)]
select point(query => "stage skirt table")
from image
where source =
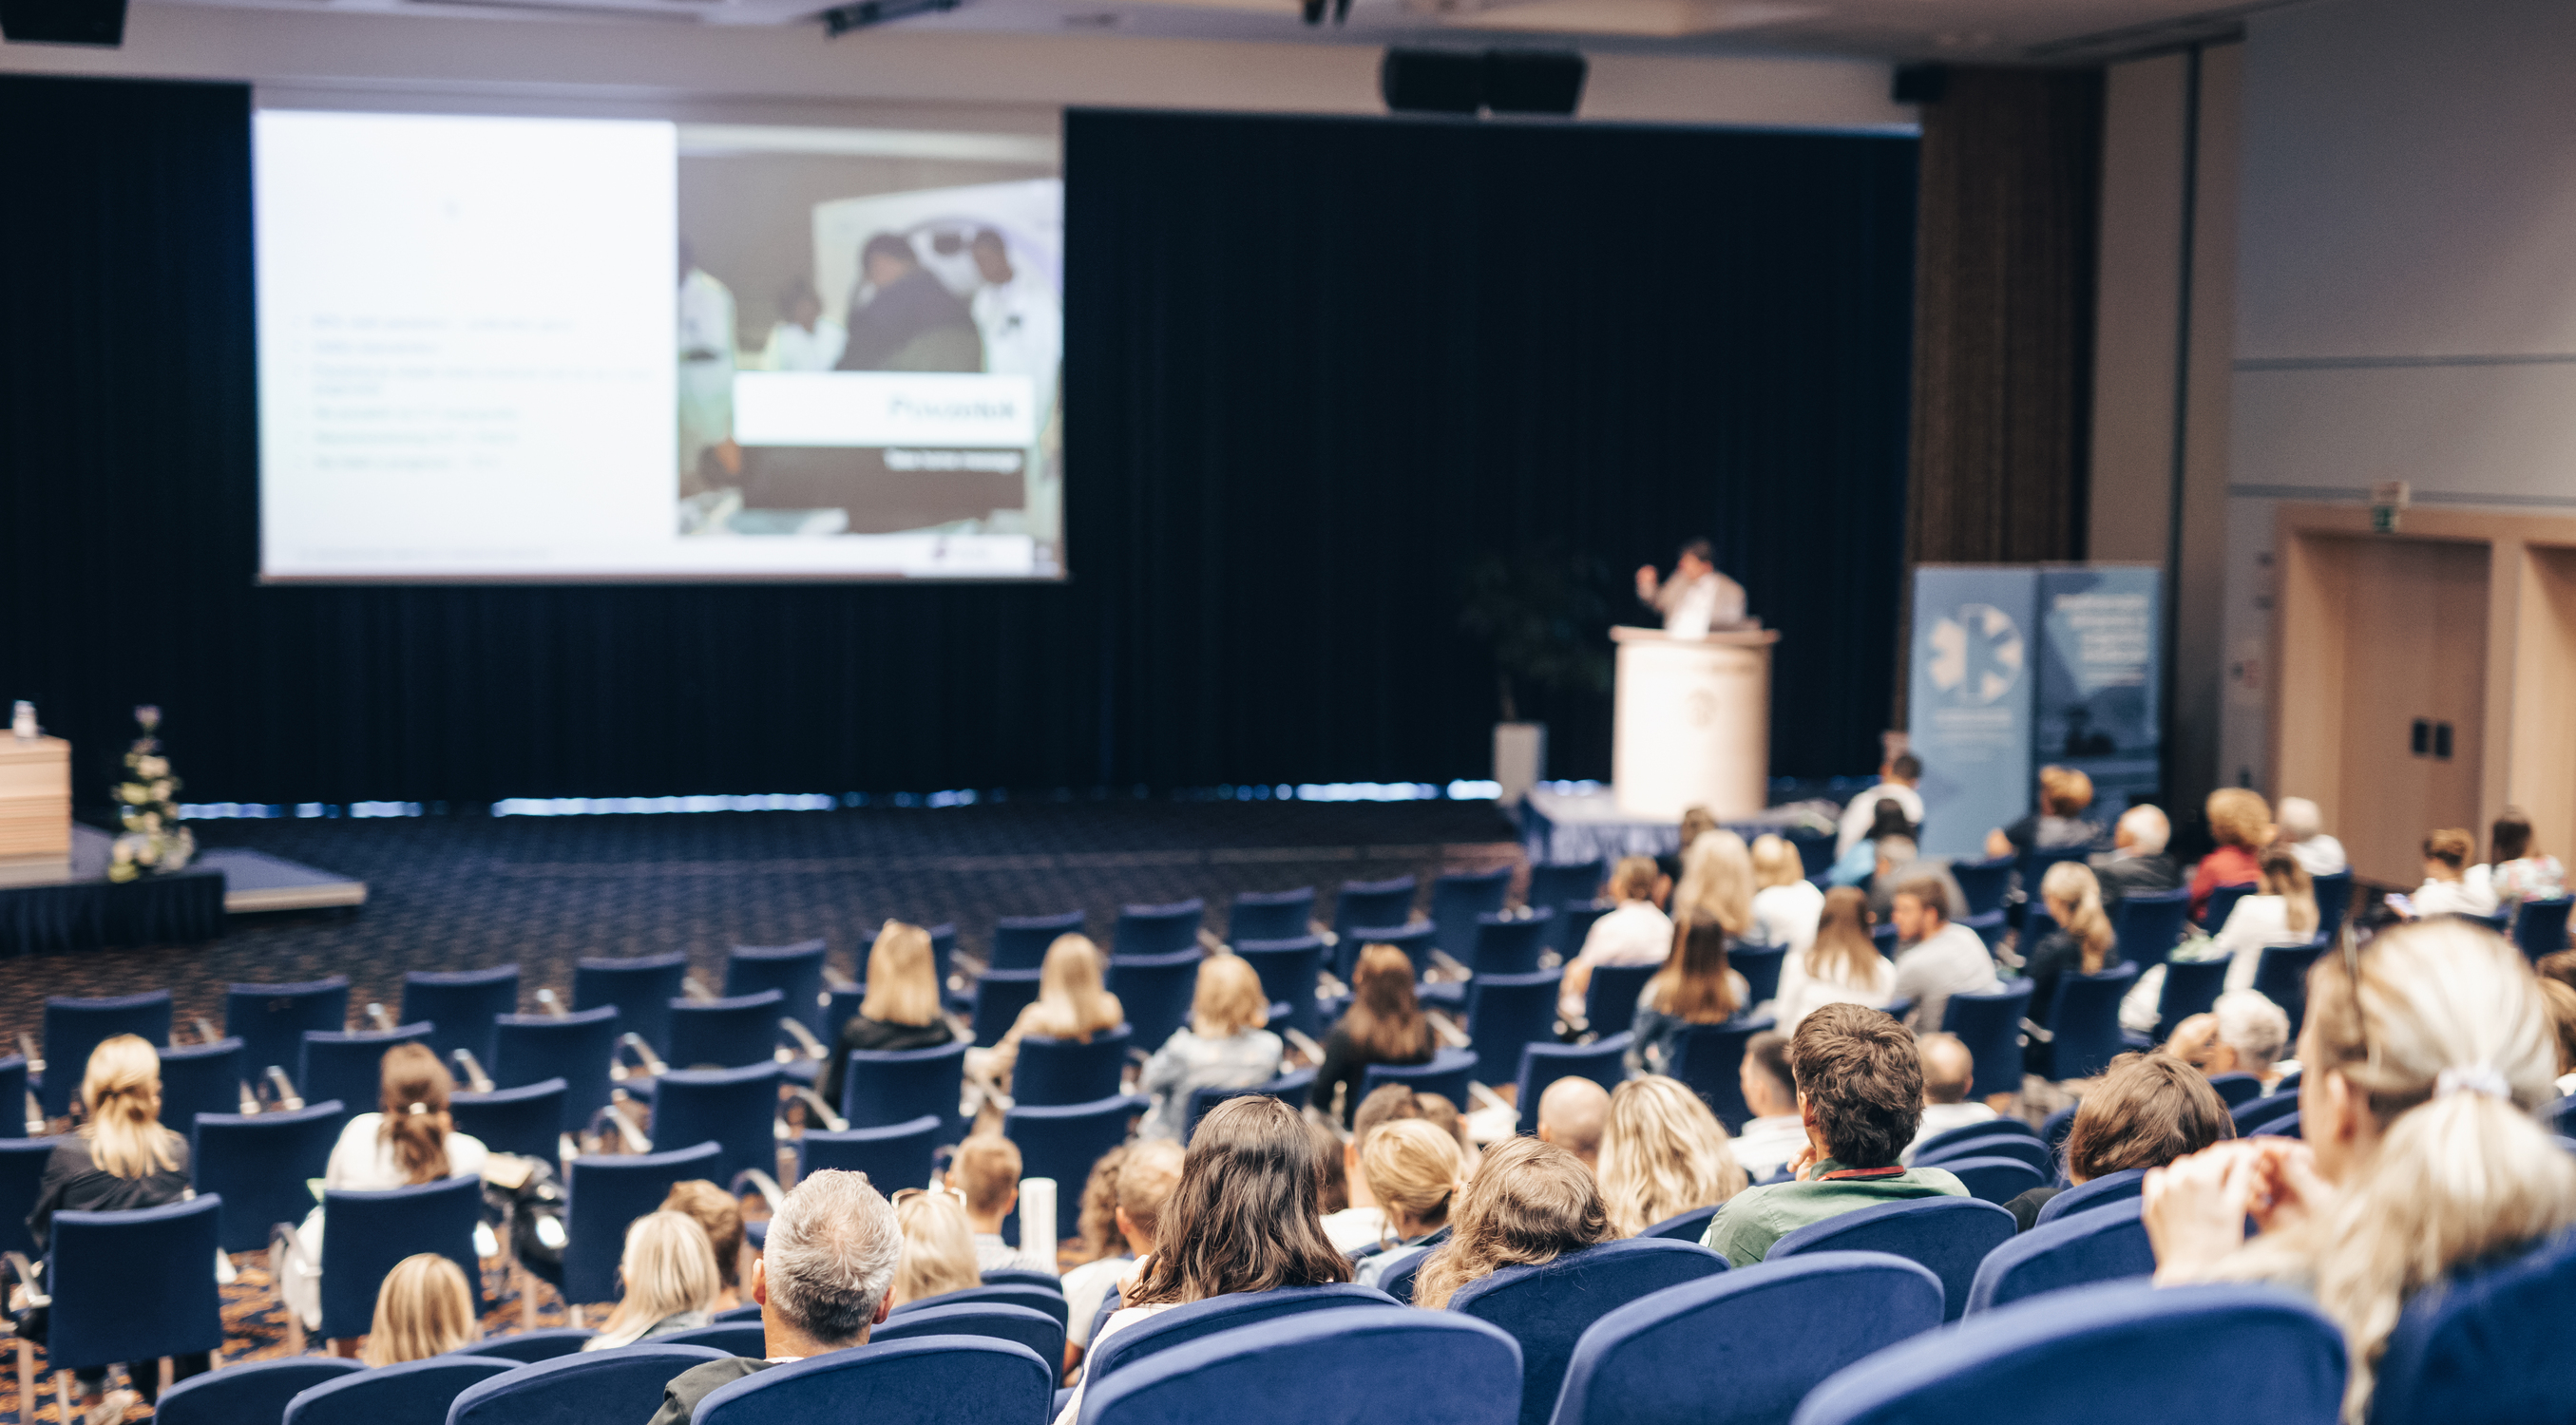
[(179, 909)]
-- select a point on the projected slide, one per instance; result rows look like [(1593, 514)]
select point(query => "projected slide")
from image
[(566, 349)]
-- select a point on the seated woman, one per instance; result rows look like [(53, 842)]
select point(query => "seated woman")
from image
[(424, 1309), (1696, 986), (2425, 1053), (2522, 872), (1662, 1154), (669, 1272), (1843, 964), (1226, 1045), (1413, 1170), (1717, 886), (1858, 864), (409, 1141), (938, 1246), (1071, 1004), (2282, 912), (716, 1211), (2451, 885), (2147, 1110), (1531, 1202), (900, 1010), (120, 1158), (1637, 933), (2081, 943), (2057, 824), (1785, 903), (2240, 821), (1384, 1025)]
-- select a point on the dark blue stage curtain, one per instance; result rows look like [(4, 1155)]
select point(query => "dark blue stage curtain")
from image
[(1315, 365)]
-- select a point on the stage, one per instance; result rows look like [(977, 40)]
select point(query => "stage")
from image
[(1584, 822), (81, 909)]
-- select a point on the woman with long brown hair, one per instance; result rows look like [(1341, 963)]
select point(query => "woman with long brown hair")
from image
[(410, 1140), (1530, 1202), (1841, 966), (1696, 986), (1383, 1026)]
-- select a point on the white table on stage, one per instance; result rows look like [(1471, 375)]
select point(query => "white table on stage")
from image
[(1692, 725)]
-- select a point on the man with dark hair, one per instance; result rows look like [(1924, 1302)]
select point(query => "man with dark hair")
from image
[(1697, 598), (911, 321), (1898, 777), (1941, 957), (1860, 1093), (1775, 1133)]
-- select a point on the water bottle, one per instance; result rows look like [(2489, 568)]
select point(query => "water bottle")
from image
[(22, 721)]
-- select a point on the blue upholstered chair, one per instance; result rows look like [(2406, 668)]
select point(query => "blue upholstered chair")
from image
[(411, 1393), (1025, 1276), (2020, 1147), (272, 1020), (1446, 1075), (1062, 1142), (1969, 1132), (943, 953), (200, 1078), (1046, 1299), (1343, 1363), (730, 1033), (2222, 904), (1990, 928), (1553, 883), (1573, 925), (1000, 995), (1745, 1347), (2108, 1190), (2105, 1244), (607, 1387), (1760, 966), (74, 1027), (936, 1380), (1507, 1014), (1458, 898), (1020, 941), (459, 1007), (1610, 999), (2054, 1129), (527, 1120), (894, 1157), (601, 1196), (1270, 915), (640, 988), (2258, 1356), (22, 1177), (1291, 1088), (1993, 1179), (795, 971), (532, 1048), (2147, 925), (1603, 1062), (2191, 987), (366, 1233), (1363, 903), (1398, 1281), (1710, 1059), (1508, 944), (2490, 1345), (1547, 1307), (2282, 977), (257, 1167), (1948, 1235), (2334, 901), (2086, 1022), (1983, 884), (1989, 1023), (1152, 930), (2540, 926), (1155, 990), (1288, 968), (1417, 941), (2284, 1126), (349, 1066), (734, 1338), (530, 1347), (130, 1286), (733, 1108), (747, 1312), (885, 1087), (1198, 1320), (1062, 1071), (13, 1092), (1683, 1226), (2250, 1116), (2236, 1090), (1026, 1326), (255, 1391)]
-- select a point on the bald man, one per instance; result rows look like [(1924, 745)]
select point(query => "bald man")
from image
[(1948, 1071), (1570, 1115)]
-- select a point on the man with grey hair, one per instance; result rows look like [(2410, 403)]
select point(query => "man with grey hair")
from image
[(2137, 864), (2302, 830), (822, 1282), (2252, 1032)]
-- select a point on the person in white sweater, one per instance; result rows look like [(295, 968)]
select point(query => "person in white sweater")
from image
[(1785, 902), (411, 1141), (2282, 912), (1637, 933), (1841, 964), (2451, 885)]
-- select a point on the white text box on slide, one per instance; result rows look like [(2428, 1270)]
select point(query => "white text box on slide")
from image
[(881, 408)]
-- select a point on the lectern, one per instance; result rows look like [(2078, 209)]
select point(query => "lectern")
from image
[(35, 808), (1692, 725)]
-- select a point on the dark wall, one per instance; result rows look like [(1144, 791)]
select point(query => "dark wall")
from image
[(1314, 366)]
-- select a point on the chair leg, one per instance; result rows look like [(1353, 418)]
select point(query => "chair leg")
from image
[(527, 1299), (63, 1393), (26, 1379)]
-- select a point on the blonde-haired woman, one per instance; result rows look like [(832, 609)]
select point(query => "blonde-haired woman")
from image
[(1413, 1170), (900, 1010), (1072, 1003), (938, 1246), (2082, 943), (1786, 905), (121, 1158), (1717, 885), (2425, 1052), (1842, 966), (424, 1309), (409, 1140), (1531, 1202), (1662, 1154), (1226, 1045), (669, 1272)]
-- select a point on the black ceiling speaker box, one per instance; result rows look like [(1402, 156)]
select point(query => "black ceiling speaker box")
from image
[(63, 22), (1533, 81), (1433, 81), (1921, 83)]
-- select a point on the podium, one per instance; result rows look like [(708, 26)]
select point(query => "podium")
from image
[(1692, 723), (35, 808)]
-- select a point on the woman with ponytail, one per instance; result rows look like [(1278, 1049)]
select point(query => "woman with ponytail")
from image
[(120, 1159), (2424, 1054), (2082, 942)]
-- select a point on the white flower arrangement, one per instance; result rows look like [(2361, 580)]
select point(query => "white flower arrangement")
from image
[(154, 839)]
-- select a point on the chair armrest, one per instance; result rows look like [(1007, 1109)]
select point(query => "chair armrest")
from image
[(761, 1183), (553, 1004), (627, 1133), (959, 961), (644, 1055), (696, 989), (1298, 1041), (1483, 1097), (823, 1111), (480, 1081), (804, 1037), (1447, 1029), (206, 1031), (1440, 961), (26, 1274), (381, 1017), (286, 1094)]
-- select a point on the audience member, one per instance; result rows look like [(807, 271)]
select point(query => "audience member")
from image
[(1696, 821), (1785, 903), (1898, 777), (2559, 965), (1146, 1176), (938, 1247), (1860, 1093), (2426, 1051), (2522, 871), (1716, 886), (2241, 824), (1942, 957), (1570, 1115), (2195, 1042), (669, 1275), (900, 1009), (2136, 864), (121, 1158), (2283, 911), (1949, 1071), (1224, 1046), (408, 1141), (1414, 1170), (424, 1309), (1384, 1025), (2144, 1112), (2082, 942), (1095, 1231), (1662, 1154), (2057, 824), (1891, 855), (1071, 1003), (2560, 1001), (2251, 1032), (1696, 986), (716, 1211), (2303, 831), (1362, 1221), (2449, 888), (1636, 933), (820, 1280), (1841, 966), (986, 1175), (1334, 1194), (1862, 859), (1537, 1204), (1776, 1132), (1440, 1113)]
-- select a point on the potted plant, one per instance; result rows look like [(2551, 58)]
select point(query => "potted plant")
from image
[(1540, 611)]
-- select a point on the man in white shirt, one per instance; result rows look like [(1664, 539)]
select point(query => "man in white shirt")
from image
[(1637, 933), (1897, 779), (2303, 830), (1697, 598), (1943, 958), (1777, 1132), (1948, 1072)]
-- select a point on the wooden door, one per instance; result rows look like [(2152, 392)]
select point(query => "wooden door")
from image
[(2414, 696)]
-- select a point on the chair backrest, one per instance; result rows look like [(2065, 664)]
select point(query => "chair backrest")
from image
[(1989, 927), (13, 1091), (1344, 1363), (1359, 903), (2191, 987), (1025, 1276), (200, 1078), (366, 1233), (2222, 904), (1150, 930), (1045, 1298), (1610, 1000), (943, 954), (1573, 925), (1398, 1280), (74, 1027), (1060, 1071), (1417, 941), (795, 971), (1198, 1320), (527, 1120), (2540, 926), (1547, 1307), (603, 1195), (1948, 1235), (641, 987), (1020, 941), (459, 1007), (1684, 1226), (1292, 1088), (1744, 1347), (894, 1157), (734, 1338), (2086, 1022), (529, 1347), (576, 1048), (1288, 969), (1446, 1075), (2020, 1147), (22, 1177), (1458, 898), (257, 1166), (935, 1380), (1034, 1329), (133, 1286), (252, 1391), (411, 1393), (2146, 925), (730, 1033), (1982, 884), (2109, 1190), (1000, 995), (1553, 883), (349, 1065), (2105, 1244), (2253, 1115), (1270, 915), (623, 1385), (1603, 1062), (1064, 1141), (1994, 1179), (2257, 1353), (271, 1020), (2236, 1089), (2490, 1345), (1710, 1059), (1989, 1023), (1507, 1014), (1998, 1126), (2034, 864), (2053, 1131), (885, 1087), (2334, 900), (1760, 966), (733, 1108), (1155, 990), (2284, 1126), (1509, 944)]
